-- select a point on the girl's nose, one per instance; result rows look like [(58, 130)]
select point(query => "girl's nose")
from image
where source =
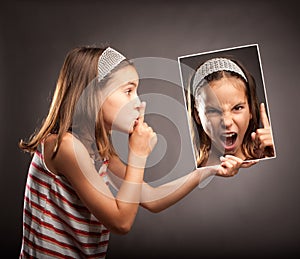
[(137, 102), (227, 120)]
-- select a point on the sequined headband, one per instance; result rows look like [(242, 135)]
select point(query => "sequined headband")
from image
[(108, 60), (215, 65)]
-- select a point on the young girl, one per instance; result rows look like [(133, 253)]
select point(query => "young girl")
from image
[(69, 209), (226, 114)]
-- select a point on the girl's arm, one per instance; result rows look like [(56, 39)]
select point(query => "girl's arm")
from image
[(159, 198), (73, 161)]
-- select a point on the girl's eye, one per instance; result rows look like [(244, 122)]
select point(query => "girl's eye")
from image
[(212, 111), (238, 107), (128, 91)]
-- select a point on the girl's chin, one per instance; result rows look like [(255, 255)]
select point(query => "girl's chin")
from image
[(236, 152), (122, 129), (125, 127), (223, 150), (126, 131), (129, 131)]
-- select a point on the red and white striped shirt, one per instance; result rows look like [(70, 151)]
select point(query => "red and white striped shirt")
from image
[(56, 224)]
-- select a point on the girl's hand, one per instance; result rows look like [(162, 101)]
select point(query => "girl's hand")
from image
[(143, 139), (263, 137), (230, 166)]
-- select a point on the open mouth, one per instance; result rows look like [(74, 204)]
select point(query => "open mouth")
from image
[(229, 139)]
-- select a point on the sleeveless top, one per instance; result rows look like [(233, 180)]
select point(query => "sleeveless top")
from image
[(56, 224)]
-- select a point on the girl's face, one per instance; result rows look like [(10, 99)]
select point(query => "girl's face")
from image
[(224, 114), (121, 106)]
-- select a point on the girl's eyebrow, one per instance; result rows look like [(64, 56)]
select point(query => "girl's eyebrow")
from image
[(212, 106), (129, 83), (240, 103)]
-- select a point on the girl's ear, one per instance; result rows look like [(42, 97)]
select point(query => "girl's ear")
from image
[(196, 115)]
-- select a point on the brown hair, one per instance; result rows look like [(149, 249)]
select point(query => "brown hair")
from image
[(75, 99), (202, 141)]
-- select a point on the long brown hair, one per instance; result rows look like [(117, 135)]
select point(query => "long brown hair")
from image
[(201, 141), (78, 76)]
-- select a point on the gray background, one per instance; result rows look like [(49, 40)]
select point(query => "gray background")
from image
[(253, 214)]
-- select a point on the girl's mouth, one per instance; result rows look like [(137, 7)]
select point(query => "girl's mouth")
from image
[(229, 139), (136, 121)]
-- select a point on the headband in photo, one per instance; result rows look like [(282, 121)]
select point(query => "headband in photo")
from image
[(108, 60), (215, 65)]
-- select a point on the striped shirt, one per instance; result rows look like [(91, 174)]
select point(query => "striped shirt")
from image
[(56, 224)]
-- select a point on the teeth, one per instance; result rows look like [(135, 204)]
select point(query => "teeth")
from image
[(229, 135)]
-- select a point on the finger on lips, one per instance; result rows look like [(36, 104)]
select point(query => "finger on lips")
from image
[(142, 112)]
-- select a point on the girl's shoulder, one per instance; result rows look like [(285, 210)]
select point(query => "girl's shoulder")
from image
[(69, 151), (68, 141)]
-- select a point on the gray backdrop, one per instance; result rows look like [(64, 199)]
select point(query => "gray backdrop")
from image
[(253, 214)]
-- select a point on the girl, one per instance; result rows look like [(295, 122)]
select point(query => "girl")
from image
[(226, 114), (69, 209)]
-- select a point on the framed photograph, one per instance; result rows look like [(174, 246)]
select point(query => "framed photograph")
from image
[(226, 105)]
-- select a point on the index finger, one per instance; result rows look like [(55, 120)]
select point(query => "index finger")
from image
[(142, 112), (264, 117)]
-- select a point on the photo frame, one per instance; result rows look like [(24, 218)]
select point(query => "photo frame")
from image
[(249, 57)]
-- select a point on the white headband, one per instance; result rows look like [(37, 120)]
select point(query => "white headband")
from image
[(215, 65), (108, 60)]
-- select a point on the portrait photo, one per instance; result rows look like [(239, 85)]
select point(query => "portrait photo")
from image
[(226, 103)]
